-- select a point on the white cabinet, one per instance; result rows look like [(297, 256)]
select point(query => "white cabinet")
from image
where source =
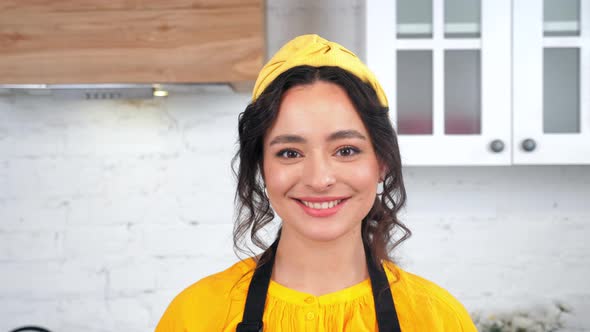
[(551, 77), (485, 82)]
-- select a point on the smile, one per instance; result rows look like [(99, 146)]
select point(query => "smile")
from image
[(321, 207)]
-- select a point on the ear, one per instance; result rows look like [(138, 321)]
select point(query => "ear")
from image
[(383, 170), (261, 172)]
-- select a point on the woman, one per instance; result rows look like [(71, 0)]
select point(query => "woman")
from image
[(315, 144)]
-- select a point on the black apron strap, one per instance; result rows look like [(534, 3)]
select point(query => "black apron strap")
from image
[(384, 304), (256, 299)]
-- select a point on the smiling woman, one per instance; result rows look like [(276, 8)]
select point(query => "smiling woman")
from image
[(331, 161), (316, 147)]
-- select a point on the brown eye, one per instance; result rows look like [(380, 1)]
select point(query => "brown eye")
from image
[(347, 151), (288, 154)]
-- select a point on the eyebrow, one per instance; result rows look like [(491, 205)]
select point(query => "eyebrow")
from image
[(341, 134)]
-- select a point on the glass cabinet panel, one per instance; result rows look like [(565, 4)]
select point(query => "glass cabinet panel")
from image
[(561, 17), (561, 90), (462, 18), (414, 18), (462, 92), (446, 68), (414, 92), (561, 68)]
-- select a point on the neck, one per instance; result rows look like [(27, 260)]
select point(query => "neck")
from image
[(319, 267)]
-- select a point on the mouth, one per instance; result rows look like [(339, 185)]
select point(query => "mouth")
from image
[(321, 207)]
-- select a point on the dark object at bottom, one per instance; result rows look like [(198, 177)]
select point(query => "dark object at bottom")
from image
[(30, 329)]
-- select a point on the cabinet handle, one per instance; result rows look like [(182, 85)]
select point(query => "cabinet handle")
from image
[(497, 145), (529, 144)]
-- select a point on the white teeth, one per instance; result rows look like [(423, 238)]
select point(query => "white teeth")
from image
[(323, 205)]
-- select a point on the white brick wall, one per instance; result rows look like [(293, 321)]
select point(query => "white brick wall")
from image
[(110, 208), (503, 237)]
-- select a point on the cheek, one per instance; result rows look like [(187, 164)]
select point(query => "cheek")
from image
[(279, 178), (364, 176)]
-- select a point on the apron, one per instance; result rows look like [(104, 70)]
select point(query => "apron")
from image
[(256, 299)]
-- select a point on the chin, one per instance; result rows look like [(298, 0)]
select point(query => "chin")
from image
[(323, 233)]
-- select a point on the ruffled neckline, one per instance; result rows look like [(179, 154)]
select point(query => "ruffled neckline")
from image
[(345, 295)]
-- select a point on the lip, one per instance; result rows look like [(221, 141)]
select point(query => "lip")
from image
[(321, 213), (321, 199)]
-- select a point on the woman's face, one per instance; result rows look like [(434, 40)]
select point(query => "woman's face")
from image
[(320, 169)]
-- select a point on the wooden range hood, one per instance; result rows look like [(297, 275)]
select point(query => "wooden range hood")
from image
[(131, 41)]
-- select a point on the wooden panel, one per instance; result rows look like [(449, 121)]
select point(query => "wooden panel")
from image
[(45, 6), (141, 41)]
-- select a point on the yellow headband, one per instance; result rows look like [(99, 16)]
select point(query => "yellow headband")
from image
[(313, 50)]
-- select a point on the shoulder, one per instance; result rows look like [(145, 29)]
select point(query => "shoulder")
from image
[(422, 297), (207, 300), (222, 283)]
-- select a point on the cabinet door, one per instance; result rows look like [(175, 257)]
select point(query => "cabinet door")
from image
[(551, 82), (131, 41), (445, 66)]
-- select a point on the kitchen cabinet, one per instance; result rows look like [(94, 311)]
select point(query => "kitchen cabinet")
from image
[(552, 81), (121, 41), (485, 82)]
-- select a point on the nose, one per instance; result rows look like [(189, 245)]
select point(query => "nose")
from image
[(318, 173)]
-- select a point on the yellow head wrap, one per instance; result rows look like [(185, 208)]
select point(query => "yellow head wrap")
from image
[(313, 50)]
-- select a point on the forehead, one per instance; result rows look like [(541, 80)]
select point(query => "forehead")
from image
[(317, 109)]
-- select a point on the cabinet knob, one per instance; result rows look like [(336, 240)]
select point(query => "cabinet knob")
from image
[(529, 144), (497, 145)]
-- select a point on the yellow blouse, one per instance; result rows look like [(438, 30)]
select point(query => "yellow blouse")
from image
[(216, 303)]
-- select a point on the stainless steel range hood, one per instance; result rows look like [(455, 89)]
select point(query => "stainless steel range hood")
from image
[(110, 91)]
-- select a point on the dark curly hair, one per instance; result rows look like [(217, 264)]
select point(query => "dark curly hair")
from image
[(381, 229)]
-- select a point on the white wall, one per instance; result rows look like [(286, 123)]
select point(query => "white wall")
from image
[(110, 208)]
